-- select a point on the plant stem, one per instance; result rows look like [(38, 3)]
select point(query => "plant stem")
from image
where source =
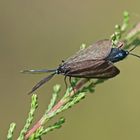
[(62, 102)]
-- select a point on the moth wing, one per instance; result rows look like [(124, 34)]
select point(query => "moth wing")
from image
[(98, 50), (93, 69)]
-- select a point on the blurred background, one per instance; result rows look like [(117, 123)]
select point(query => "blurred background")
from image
[(40, 34)]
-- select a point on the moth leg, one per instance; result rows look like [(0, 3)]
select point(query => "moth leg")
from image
[(65, 80), (70, 82), (73, 89)]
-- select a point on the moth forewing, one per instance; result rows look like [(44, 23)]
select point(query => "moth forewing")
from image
[(93, 69), (96, 51)]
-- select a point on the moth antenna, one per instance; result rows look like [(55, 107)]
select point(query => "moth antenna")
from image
[(37, 71), (42, 82)]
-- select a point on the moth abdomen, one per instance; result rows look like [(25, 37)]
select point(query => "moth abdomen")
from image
[(116, 55)]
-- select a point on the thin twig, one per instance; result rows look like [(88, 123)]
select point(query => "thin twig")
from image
[(55, 108)]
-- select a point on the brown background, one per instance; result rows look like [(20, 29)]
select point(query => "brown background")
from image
[(39, 34)]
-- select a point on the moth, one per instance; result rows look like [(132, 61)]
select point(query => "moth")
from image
[(95, 61)]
